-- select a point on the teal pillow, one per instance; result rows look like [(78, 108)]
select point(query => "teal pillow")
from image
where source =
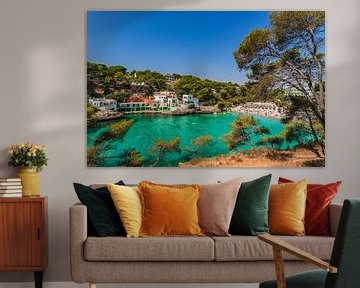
[(250, 216)]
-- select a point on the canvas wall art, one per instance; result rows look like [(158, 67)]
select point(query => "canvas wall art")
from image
[(205, 89)]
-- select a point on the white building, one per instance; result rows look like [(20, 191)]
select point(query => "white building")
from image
[(138, 84), (189, 99), (170, 78), (135, 106), (166, 99), (137, 102), (103, 104)]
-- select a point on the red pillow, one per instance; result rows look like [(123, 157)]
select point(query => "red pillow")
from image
[(319, 197)]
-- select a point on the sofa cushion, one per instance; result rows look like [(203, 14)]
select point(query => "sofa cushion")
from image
[(102, 216), (318, 199), (216, 206), (127, 201), (149, 249), (244, 248), (250, 216), (287, 204), (169, 210)]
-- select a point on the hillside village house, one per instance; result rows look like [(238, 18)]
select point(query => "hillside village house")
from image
[(137, 102), (170, 78), (166, 99), (134, 106), (189, 99)]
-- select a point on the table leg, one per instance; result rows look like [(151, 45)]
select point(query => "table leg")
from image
[(38, 279)]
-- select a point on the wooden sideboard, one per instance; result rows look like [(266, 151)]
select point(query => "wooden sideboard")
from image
[(23, 235)]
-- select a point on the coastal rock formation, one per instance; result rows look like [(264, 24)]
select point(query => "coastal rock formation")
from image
[(199, 110), (108, 115)]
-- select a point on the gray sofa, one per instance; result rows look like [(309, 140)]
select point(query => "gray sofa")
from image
[(234, 259)]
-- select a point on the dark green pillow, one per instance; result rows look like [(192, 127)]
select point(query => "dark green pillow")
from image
[(250, 216), (103, 218)]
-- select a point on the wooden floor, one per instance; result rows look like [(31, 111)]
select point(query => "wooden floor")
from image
[(74, 285)]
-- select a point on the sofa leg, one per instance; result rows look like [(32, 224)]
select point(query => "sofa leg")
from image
[(92, 285)]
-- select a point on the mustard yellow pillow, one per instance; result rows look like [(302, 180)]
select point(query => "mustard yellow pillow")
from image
[(169, 210), (127, 201), (287, 204)]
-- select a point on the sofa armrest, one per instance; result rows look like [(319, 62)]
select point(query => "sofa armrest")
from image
[(78, 235), (334, 216)]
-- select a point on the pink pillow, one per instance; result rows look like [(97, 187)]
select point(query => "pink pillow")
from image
[(216, 206)]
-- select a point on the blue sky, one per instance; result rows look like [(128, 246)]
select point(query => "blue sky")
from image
[(199, 43)]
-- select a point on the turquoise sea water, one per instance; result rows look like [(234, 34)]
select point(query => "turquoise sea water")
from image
[(148, 128)]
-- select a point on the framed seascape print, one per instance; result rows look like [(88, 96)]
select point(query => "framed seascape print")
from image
[(205, 88)]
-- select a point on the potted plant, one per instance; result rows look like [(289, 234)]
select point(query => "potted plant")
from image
[(30, 158)]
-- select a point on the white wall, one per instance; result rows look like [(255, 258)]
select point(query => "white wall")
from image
[(42, 88)]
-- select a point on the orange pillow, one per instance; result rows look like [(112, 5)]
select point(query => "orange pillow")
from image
[(287, 204), (169, 210)]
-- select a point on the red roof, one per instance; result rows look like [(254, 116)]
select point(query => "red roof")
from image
[(139, 98)]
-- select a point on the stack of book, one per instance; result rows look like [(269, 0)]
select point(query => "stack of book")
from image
[(10, 187)]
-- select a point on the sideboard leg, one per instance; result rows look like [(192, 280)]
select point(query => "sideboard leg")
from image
[(92, 285), (38, 279)]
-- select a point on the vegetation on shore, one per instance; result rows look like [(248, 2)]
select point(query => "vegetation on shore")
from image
[(116, 130), (161, 147), (260, 158), (243, 128), (289, 55)]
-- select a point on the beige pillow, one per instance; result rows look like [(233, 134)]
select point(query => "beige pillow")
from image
[(216, 205)]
